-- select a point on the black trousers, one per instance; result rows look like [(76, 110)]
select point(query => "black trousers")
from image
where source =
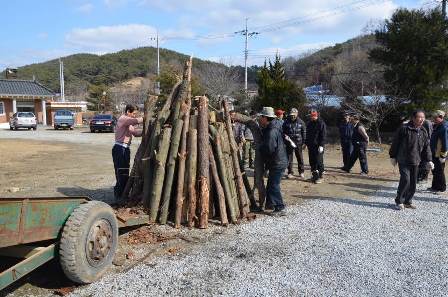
[(408, 183), (121, 157), (359, 152), (316, 160), (438, 175), (299, 156), (347, 149)]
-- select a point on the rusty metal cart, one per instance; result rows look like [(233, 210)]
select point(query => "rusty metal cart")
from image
[(82, 233)]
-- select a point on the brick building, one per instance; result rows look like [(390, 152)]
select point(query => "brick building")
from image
[(24, 95)]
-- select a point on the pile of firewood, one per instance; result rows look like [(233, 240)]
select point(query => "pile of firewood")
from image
[(186, 169)]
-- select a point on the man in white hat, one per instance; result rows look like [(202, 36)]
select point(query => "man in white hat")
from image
[(273, 151)]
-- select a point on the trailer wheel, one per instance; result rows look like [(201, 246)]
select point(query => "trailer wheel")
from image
[(88, 242)]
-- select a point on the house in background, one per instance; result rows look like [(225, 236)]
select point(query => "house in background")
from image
[(24, 95)]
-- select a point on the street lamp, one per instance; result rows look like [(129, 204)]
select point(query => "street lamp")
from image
[(104, 101)]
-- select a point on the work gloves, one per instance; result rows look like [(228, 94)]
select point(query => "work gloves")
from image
[(393, 161), (442, 160), (431, 164), (320, 149)]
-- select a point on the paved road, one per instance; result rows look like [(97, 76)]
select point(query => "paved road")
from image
[(325, 247), (78, 135)]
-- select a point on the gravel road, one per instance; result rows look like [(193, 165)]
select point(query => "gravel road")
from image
[(326, 246)]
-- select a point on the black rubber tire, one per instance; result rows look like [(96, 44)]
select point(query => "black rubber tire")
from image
[(71, 128), (73, 246), (11, 128), (34, 128)]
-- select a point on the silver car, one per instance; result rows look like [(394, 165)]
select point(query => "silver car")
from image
[(23, 120)]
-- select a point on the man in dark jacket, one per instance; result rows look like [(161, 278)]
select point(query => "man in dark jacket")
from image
[(316, 131), (409, 147), (273, 151), (295, 129), (423, 168), (345, 134), (439, 148), (360, 141)]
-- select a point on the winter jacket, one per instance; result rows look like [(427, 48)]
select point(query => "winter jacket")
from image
[(410, 145), (357, 136), (238, 132), (273, 148), (316, 133), (296, 130), (346, 132), (439, 140)]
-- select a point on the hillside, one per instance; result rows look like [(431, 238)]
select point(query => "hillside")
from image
[(81, 70)]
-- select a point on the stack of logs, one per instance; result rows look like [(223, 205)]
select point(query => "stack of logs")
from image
[(186, 168)]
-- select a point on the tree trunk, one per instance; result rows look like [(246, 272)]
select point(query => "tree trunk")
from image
[(203, 161), (192, 160), (181, 165), (242, 195), (171, 166), (219, 190), (159, 173), (223, 174)]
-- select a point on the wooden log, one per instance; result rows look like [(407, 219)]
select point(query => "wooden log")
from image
[(258, 162), (219, 190), (229, 168), (203, 162), (185, 110), (222, 170), (169, 175), (242, 195), (159, 173), (192, 149)]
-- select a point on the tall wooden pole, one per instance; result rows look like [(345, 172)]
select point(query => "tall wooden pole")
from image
[(203, 162)]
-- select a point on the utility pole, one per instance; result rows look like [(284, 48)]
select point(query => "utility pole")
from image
[(246, 34), (61, 79), (444, 8), (158, 62)]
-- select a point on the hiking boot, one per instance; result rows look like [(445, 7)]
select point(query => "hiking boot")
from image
[(345, 169), (411, 206), (255, 208), (399, 206)]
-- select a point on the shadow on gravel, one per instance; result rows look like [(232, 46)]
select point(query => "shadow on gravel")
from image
[(349, 201), (365, 186), (103, 194), (430, 199)]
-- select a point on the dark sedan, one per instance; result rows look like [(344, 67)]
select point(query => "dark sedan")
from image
[(103, 122)]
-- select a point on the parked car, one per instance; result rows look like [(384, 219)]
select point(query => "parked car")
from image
[(64, 119), (103, 122), (23, 120)]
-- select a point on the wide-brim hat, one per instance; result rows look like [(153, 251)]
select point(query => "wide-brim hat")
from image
[(267, 112), (294, 111)]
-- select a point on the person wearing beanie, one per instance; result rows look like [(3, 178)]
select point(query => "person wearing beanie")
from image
[(316, 133)]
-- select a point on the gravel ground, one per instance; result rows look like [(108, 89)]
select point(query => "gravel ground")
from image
[(326, 246)]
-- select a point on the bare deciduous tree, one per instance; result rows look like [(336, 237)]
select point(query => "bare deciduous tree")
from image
[(219, 81)]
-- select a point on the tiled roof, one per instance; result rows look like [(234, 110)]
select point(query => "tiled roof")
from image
[(23, 88)]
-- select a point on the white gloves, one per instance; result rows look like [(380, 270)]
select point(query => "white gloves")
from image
[(431, 164), (393, 162), (320, 149), (442, 160)]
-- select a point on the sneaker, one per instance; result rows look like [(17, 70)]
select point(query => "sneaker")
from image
[(364, 174), (318, 181), (269, 207), (411, 206), (399, 206), (302, 175), (289, 176), (255, 208), (345, 169)]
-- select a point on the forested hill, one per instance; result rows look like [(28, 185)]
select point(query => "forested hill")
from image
[(81, 70)]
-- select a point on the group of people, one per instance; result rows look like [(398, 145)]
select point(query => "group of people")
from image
[(418, 144)]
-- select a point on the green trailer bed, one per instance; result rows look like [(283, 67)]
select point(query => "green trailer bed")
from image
[(82, 233)]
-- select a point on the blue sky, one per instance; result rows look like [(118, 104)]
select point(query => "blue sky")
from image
[(36, 31)]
